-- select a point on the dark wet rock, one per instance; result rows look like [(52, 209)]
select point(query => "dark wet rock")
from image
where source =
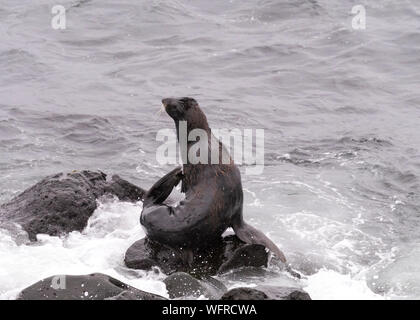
[(94, 286), (249, 255), (244, 294), (62, 203), (124, 190), (181, 285), (227, 254), (145, 254), (266, 293)]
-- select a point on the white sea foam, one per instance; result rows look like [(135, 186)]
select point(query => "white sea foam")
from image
[(113, 227), (99, 248), (331, 285)]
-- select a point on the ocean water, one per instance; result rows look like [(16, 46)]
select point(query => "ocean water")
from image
[(340, 109)]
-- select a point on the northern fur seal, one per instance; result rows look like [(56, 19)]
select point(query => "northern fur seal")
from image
[(213, 193)]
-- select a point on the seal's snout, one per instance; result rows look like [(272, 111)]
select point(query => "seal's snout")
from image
[(165, 102), (169, 101), (173, 107), (180, 108)]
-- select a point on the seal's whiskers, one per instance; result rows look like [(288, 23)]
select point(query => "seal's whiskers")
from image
[(159, 112)]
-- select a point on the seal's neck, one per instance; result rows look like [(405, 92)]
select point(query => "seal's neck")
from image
[(193, 134), (185, 127), (199, 155)]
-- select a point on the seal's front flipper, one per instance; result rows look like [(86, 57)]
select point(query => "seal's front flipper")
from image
[(163, 187), (249, 234)]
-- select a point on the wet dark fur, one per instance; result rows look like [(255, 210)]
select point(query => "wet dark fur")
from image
[(213, 195)]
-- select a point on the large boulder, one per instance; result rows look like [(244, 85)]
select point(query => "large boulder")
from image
[(227, 254), (265, 292), (62, 203), (94, 286), (182, 285)]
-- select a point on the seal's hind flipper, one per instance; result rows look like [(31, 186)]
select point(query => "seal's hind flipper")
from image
[(163, 187), (249, 234)]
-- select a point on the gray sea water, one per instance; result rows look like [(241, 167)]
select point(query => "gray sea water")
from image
[(340, 108)]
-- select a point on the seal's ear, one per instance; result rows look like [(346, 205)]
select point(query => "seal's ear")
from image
[(188, 103), (185, 103)]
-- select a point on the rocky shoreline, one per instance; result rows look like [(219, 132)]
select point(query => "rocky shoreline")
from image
[(63, 203)]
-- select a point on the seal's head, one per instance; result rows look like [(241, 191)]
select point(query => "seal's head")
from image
[(186, 109)]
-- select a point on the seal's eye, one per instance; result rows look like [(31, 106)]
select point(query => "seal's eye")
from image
[(187, 103), (178, 107)]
